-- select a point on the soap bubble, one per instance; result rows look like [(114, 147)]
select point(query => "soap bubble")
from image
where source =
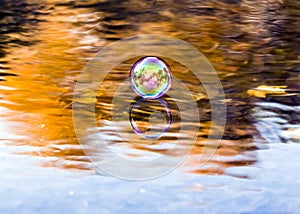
[(101, 149), (150, 77)]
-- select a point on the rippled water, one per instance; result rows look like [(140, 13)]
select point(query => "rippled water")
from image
[(45, 45)]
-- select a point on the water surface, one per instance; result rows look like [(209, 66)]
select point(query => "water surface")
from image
[(44, 47)]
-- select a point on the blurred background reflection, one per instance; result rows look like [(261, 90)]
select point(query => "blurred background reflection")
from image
[(45, 44)]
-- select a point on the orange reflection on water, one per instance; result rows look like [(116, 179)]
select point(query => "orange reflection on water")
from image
[(32, 100)]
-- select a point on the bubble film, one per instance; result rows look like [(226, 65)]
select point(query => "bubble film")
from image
[(150, 77)]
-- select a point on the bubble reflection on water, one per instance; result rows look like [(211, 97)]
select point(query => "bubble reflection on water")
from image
[(150, 118)]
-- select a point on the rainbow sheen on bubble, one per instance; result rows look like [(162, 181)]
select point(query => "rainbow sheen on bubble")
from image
[(150, 77)]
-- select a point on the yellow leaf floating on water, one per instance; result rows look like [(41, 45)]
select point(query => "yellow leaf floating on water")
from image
[(87, 98), (263, 90), (198, 96)]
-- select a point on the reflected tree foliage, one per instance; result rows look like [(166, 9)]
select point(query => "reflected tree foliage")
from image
[(18, 19)]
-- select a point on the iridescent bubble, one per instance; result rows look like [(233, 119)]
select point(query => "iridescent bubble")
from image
[(150, 118), (150, 77)]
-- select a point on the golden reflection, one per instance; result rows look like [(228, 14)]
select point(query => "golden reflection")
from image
[(45, 73), (36, 104)]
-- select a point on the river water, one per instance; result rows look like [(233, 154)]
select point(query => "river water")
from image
[(46, 44)]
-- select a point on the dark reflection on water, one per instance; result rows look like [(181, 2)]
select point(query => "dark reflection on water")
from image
[(17, 21), (17, 17), (249, 43)]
